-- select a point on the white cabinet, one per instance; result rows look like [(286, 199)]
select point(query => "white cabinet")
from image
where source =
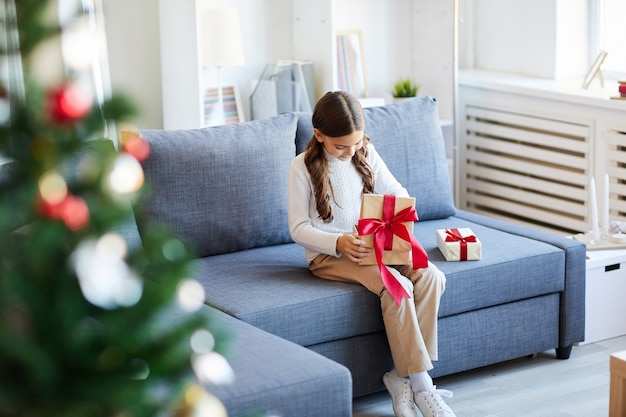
[(528, 148), (605, 310)]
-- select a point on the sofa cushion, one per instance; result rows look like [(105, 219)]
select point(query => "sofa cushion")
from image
[(304, 131), (269, 371), (276, 377), (226, 181), (276, 292), (282, 297), (406, 134)]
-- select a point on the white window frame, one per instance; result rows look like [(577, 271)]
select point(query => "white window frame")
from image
[(597, 38)]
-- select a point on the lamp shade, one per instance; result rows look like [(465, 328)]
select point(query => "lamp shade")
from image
[(221, 38)]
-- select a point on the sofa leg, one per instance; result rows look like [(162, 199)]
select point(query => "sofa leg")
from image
[(563, 352)]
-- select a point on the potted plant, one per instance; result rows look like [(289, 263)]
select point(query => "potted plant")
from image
[(404, 88)]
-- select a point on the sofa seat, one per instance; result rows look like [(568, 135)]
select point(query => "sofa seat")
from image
[(273, 376), (282, 297), (276, 292), (270, 373), (511, 268)]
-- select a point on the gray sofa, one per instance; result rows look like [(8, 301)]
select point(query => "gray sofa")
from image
[(305, 346)]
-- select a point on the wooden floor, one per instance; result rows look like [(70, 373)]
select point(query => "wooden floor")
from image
[(542, 386)]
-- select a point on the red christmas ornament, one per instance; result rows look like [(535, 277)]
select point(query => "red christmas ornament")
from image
[(136, 146), (72, 210), (67, 104), (47, 209)]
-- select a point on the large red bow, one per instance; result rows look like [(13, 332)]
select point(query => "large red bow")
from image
[(383, 231), (453, 235)]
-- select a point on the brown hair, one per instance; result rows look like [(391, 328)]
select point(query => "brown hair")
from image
[(337, 113)]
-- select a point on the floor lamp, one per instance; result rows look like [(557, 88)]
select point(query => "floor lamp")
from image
[(221, 46)]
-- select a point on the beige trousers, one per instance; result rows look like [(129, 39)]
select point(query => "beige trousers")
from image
[(411, 326)]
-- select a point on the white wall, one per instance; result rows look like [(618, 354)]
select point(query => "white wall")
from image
[(386, 31), (267, 37), (132, 29), (133, 33), (543, 38), (401, 38), (433, 61), (540, 38)]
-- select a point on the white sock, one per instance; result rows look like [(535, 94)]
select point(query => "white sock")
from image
[(421, 381)]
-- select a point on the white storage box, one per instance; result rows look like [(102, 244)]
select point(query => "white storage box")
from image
[(605, 305)]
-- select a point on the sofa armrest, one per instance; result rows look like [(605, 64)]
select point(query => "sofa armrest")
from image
[(572, 309)]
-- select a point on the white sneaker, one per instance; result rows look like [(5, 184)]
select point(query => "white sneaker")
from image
[(431, 404), (401, 394)]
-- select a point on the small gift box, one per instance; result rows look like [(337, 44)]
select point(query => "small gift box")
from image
[(459, 244)]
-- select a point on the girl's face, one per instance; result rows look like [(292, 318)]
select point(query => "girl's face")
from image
[(341, 147)]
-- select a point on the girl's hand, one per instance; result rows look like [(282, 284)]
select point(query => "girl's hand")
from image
[(353, 247)]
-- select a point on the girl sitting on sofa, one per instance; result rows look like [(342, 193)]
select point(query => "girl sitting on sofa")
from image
[(326, 183)]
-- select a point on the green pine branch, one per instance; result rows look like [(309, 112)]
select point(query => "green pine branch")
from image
[(61, 355)]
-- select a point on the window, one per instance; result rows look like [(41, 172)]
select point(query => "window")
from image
[(608, 16)]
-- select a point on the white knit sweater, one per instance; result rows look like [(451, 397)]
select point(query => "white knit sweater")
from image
[(305, 225)]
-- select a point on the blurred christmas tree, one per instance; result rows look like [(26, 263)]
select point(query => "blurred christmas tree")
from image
[(81, 305)]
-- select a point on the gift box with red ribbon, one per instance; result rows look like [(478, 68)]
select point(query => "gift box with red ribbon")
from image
[(386, 225), (459, 244), (377, 211)]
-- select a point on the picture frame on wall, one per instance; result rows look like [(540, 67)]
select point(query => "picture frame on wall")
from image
[(231, 108)]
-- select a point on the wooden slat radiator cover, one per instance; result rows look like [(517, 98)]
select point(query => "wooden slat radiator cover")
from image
[(525, 168), (616, 168)]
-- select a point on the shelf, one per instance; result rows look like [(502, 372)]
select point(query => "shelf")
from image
[(569, 90)]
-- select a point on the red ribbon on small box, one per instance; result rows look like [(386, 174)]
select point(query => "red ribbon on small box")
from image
[(453, 235), (384, 229)]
